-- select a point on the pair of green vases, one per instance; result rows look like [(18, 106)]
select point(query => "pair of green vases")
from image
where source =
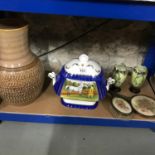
[(138, 77)]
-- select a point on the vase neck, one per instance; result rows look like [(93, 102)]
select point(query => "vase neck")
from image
[(14, 48)]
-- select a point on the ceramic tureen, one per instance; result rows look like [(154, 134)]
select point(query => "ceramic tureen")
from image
[(80, 83)]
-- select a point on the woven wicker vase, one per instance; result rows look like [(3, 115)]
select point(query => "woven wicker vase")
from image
[(21, 72)]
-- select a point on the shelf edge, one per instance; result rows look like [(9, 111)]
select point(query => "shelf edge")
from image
[(76, 120), (115, 10)]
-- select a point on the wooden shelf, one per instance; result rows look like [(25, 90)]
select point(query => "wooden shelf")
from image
[(48, 109), (152, 83)]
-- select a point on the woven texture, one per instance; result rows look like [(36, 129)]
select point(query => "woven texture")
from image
[(21, 86)]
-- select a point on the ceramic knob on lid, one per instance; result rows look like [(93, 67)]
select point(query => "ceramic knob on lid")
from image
[(83, 58)]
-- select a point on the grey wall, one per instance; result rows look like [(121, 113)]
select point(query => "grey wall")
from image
[(109, 42)]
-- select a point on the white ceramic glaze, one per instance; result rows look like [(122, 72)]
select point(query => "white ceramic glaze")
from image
[(83, 66), (144, 105), (121, 105), (77, 102), (53, 77)]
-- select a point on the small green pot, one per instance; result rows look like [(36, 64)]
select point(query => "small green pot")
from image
[(119, 75), (138, 78)]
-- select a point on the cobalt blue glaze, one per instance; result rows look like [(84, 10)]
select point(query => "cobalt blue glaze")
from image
[(149, 61), (63, 75), (99, 8)]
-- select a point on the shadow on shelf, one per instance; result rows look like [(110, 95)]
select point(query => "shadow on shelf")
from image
[(47, 81)]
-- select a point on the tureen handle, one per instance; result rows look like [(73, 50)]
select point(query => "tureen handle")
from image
[(53, 77), (110, 81)]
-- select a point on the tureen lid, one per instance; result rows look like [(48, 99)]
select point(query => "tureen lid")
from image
[(83, 66)]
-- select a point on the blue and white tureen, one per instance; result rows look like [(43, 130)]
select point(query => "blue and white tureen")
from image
[(80, 83)]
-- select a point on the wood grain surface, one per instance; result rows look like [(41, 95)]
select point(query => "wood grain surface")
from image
[(49, 104)]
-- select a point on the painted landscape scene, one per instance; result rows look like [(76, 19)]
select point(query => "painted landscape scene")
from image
[(80, 90)]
